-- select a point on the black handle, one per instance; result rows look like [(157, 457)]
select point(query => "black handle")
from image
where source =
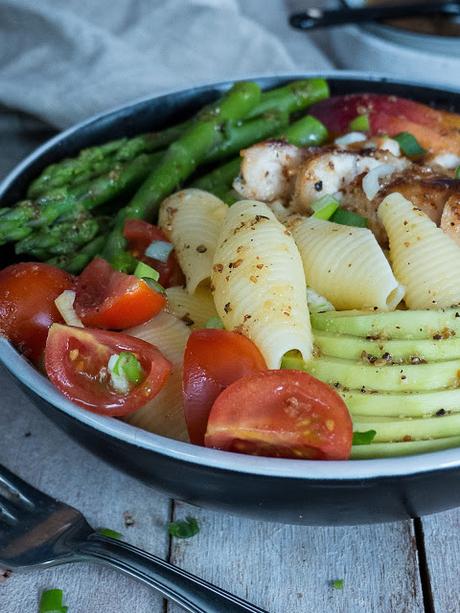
[(322, 18)]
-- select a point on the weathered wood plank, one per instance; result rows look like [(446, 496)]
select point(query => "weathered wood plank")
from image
[(51, 461), (441, 534), (289, 568)]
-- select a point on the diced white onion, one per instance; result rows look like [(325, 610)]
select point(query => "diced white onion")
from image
[(391, 145), (118, 381), (351, 137), (371, 184), (447, 160), (318, 303), (64, 304), (159, 250)]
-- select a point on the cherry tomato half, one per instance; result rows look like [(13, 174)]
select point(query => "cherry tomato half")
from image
[(106, 298), (140, 235), (76, 362), (281, 413), (213, 359), (27, 310)]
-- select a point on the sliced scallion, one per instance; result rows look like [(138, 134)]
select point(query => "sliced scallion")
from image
[(214, 322), (363, 438), (144, 271), (184, 529), (337, 584), (108, 532), (457, 172), (409, 145), (348, 218), (51, 602), (292, 360), (325, 207), (360, 123), (159, 250)]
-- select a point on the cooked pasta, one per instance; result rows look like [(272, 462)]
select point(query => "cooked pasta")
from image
[(192, 220), (424, 259), (193, 309), (342, 264), (258, 282), (164, 414)]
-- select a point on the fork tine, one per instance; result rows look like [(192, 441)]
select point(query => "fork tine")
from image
[(25, 493), (8, 512)]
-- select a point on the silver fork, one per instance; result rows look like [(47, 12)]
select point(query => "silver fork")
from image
[(37, 531)]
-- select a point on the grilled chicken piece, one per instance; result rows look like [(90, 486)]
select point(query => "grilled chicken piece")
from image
[(426, 190), (450, 218), (268, 171), (332, 171)]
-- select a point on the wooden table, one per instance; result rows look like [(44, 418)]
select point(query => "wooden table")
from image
[(403, 567)]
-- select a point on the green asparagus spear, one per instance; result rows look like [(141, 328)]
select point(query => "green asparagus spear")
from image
[(62, 238), (74, 263), (295, 96), (18, 222), (179, 161)]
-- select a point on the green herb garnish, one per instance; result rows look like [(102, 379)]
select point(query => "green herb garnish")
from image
[(325, 207), (113, 534), (184, 529), (51, 602), (457, 172), (337, 584), (292, 360), (348, 218), (214, 322), (128, 366), (409, 145), (144, 271), (360, 123), (363, 438)]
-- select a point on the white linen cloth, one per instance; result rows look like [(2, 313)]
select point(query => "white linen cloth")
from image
[(64, 61)]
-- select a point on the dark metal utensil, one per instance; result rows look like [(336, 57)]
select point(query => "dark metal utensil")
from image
[(37, 531), (323, 18)]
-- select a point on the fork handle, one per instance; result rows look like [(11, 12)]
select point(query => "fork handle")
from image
[(192, 593)]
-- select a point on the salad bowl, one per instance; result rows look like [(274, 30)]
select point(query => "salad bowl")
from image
[(285, 490)]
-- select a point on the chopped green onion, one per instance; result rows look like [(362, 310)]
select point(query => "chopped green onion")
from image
[(128, 365), (363, 438), (337, 584), (360, 123), (159, 250), (51, 602), (409, 145), (325, 207), (292, 360), (184, 529), (457, 172), (214, 322), (155, 286), (113, 534), (144, 271), (348, 218)]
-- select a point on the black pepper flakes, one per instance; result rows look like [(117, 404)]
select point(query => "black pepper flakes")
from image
[(440, 413), (188, 321), (319, 186), (227, 307), (201, 248)]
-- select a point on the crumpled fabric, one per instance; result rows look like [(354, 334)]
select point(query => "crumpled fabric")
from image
[(65, 61)]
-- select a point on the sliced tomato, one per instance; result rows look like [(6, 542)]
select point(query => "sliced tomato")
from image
[(106, 298), (76, 362), (437, 131), (281, 413), (213, 359), (140, 235), (27, 309)]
